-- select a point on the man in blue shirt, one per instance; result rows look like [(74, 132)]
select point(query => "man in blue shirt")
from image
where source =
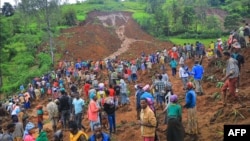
[(98, 134), (197, 72), (78, 104), (192, 124)]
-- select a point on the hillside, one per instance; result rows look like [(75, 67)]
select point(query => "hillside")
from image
[(105, 35), (108, 34)]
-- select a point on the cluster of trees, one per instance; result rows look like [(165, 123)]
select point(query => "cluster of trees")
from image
[(7, 9), (190, 18), (21, 36)]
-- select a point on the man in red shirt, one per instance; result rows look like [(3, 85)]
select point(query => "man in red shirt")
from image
[(86, 88)]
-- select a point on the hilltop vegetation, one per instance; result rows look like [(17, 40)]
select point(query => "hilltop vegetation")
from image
[(28, 45)]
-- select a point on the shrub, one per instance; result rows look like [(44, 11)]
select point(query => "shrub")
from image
[(69, 17)]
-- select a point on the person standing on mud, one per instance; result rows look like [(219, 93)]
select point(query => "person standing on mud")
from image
[(232, 74), (192, 123), (93, 111), (134, 72), (53, 113), (147, 121), (78, 104), (241, 60), (175, 130), (173, 64), (197, 72), (64, 108)]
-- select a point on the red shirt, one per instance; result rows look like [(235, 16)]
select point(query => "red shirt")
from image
[(55, 84), (111, 92), (86, 88), (129, 71)]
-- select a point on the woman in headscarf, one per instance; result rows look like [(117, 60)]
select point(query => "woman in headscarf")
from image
[(175, 130), (93, 110), (124, 92), (29, 131)]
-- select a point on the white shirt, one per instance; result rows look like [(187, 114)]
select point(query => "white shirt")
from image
[(181, 60), (182, 72)]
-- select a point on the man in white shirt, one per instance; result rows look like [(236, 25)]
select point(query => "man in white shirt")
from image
[(183, 74)]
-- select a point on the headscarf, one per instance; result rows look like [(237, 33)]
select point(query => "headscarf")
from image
[(173, 98), (28, 127), (92, 95)]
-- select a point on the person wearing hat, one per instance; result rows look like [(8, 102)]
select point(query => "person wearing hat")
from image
[(241, 60), (175, 129), (52, 109), (29, 132), (76, 134), (93, 111), (190, 104)]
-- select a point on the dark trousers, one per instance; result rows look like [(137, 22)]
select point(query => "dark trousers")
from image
[(173, 71), (112, 125), (78, 119), (65, 117)]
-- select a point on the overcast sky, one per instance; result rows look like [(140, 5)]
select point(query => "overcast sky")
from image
[(12, 2)]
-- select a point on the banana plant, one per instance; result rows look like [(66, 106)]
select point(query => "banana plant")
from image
[(219, 84)]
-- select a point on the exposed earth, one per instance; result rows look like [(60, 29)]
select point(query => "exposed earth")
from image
[(105, 35)]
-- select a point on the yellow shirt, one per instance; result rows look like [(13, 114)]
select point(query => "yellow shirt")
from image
[(212, 46), (99, 93), (76, 137), (210, 53)]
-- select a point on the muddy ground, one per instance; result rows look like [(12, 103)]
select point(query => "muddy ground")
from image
[(105, 35)]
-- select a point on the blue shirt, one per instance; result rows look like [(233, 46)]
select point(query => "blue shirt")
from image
[(105, 137), (78, 105), (173, 64), (190, 99), (198, 72)]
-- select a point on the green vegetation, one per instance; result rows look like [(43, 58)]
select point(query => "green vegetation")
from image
[(180, 41), (24, 53)]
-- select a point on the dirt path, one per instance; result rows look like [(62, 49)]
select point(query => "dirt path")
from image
[(111, 20)]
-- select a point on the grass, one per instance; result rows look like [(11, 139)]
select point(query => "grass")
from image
[(206, 42)]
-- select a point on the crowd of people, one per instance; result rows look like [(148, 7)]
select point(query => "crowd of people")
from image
[(96, 89)]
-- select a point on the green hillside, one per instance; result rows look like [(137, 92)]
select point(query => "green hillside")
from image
[(34, 25)]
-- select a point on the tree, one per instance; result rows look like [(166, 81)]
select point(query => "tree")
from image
[(213, 23), (70, 17), (7, 10), (188, 16), (48, 16), (232, 21)]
